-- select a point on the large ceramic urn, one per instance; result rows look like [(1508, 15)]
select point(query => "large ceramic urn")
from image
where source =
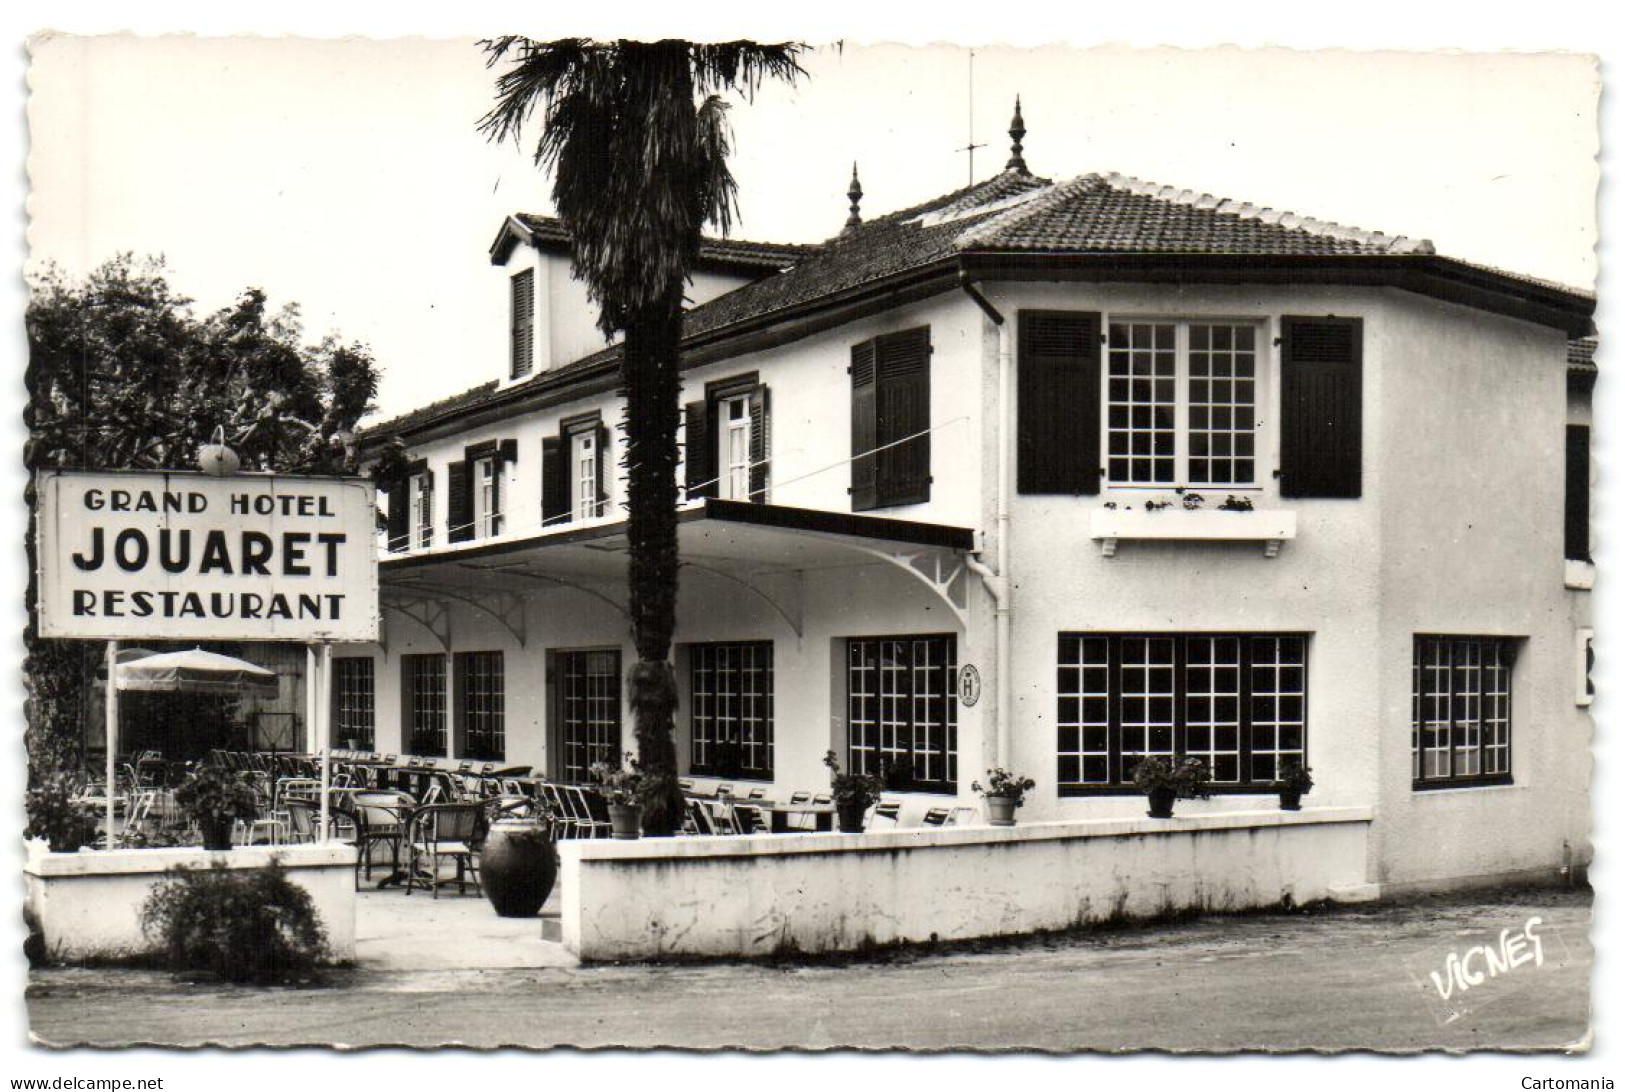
[(518, 866)]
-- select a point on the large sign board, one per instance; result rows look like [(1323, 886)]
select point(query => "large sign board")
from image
[(188, 556)]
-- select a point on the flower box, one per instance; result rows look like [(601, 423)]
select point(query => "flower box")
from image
[(1109, 526)]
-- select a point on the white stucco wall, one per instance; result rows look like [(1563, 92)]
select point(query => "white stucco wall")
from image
[(765, 894), (88, 904)]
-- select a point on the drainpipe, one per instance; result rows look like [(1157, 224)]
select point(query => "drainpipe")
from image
[(997, 579)]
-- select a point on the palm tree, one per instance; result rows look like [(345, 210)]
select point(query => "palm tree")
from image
[(636, 136)]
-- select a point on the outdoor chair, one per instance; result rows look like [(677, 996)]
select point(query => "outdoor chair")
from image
[(723, 792), (563, 816), (749, 820), (936, 817), (801, 796), (823, 798), (685, 785), (889, 809), (440, 831), (379, 819), (964, 817), (700, 817), (757, 794), (594, 809)]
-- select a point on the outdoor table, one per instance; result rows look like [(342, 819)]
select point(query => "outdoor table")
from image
[(778, 815)]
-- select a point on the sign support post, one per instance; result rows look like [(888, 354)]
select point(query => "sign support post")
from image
[(112, 733), (324, 707)]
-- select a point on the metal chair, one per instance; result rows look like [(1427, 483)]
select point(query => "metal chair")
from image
[(439, 831), (380, 819), (936, 817)]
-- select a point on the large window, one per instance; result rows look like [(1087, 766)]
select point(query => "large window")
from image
[(353, 702), (425, 704), (1182, 403), (480, 705), (1461, 711), (590, 711), (731, 709), (1235, 701), (901, 711)]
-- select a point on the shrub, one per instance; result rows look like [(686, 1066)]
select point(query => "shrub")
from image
[(245, 926), (55, 813), (849, 789)]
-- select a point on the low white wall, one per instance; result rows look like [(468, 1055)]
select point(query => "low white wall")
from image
[(751, 896), (89, 903)]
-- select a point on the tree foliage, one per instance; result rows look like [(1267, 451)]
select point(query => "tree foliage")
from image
[(124, 375), (636, 137)]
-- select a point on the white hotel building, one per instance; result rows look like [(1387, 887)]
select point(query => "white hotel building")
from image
[(1051, 475)]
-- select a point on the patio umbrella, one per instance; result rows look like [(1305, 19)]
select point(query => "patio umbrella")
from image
[(194, 672)]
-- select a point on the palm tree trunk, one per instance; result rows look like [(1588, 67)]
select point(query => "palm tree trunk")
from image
[(649, 372)]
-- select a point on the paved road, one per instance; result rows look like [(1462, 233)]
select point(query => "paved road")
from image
[(1326, 980)]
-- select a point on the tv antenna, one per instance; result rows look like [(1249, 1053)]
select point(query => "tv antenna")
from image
[(970, 122)]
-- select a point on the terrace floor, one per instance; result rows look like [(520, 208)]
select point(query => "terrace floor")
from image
[(400, 932)]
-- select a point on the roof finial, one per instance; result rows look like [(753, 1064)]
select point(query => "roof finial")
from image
[(854, 193), (1018, 129)]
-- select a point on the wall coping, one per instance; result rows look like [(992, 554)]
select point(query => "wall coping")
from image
[(912, 838), (126, 862)]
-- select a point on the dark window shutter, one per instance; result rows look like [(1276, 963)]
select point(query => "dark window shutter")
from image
[(1577, 494), (1320, 407), (522, 324), (459, 502), (601, 449), (555, 483), (761, 443), (903, 417), (699, 451), (508, 451), (397, 528), (864, 477), (1058, 402)]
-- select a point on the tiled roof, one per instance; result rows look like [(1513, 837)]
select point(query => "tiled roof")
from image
[(1010, 213), (770, 257)]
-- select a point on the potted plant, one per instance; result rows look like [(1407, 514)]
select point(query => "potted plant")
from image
[(1163, 782), (215, 799), (622, 786), (1004, 793), (55, 813), (853, 793), (1293, 782)]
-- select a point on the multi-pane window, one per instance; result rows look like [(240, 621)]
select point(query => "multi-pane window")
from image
[(480, 702), (902, 710), (731, 703), (487, 497), (1461, 710), (584, 473), (1181, 403), (1235, 701), (353, 701), (420, 494), (425, 704), (590, 711), (733, 457)]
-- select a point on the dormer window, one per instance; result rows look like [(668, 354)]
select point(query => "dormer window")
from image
[(522, 323)]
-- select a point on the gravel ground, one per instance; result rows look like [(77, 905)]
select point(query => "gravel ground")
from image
[(1321, 979)]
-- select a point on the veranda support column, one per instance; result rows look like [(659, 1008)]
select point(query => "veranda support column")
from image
[(112, 733)]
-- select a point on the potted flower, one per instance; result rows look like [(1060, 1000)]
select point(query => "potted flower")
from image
[(622, 786), (1163, 782), (56, 814), (853, 793), (215, 799), (1004, 793), (1293, 782)]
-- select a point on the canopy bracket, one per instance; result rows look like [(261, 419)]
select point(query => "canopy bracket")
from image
[(793, 620), (943, 573)]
